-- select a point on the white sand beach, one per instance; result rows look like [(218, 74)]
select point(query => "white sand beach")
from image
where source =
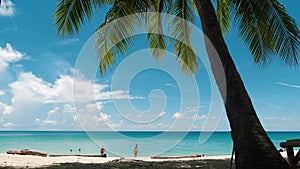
[(28, 161), (37, 161)]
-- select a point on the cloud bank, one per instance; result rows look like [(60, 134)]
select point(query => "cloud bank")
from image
[(7, 8)]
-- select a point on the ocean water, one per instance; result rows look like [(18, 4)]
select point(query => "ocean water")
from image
[(122, 143)]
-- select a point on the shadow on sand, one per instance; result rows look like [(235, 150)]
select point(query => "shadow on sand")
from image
[(136, 164)]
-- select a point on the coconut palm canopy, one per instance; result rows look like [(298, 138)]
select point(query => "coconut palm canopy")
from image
[(265, 27)]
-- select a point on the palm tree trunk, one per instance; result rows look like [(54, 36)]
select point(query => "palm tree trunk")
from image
[(253, 148)]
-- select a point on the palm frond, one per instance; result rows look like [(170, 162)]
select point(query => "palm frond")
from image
[(108, 53), (186, 56), (114, 34), (268, 30), (155, 35), (223, 15), (180, 31), (252, 26), (183, 9), (71, 14), (157, 43), (285, 33)]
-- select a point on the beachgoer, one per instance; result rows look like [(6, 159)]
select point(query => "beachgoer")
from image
[(102, 151), (136, 150)]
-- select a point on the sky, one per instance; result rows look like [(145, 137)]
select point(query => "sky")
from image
[(52, 84)]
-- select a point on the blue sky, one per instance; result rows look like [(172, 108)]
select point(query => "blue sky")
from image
[(39, 71)]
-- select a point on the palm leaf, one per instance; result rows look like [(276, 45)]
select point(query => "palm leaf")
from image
[(186, 56), (180, 32), (223, 15), (268, 30), (71, 14), (285, 33), (252, 26), (114, 34), (155, 35)]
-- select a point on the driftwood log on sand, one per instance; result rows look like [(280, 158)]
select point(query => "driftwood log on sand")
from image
[(27, 152), (80, 155), (176, 157)]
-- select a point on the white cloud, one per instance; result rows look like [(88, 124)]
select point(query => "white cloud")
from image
[(48, 122), (69, 109), (8, 55), (8, 125), (275, 107), (189, 114), (29, 86), (193, 109), (88, 116), (178, 115), (198, 117), (9, 29), (32, 97), (202, 117), (116, 126), (161, 114), (60, 117), (159, 126), (69, 41), (171, 85), (104, 117), (289, 85), (7, 8), (91, 118), (53, 116), (1, 92), (282, 118), (5, 109)]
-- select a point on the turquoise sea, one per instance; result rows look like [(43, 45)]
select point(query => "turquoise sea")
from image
[(122, 143)]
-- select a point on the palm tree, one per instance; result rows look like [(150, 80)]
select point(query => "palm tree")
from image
[(264, 25)]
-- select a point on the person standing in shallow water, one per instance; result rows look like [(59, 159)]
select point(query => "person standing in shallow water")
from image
[(136, 150)]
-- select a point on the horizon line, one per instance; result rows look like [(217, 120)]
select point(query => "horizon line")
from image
[(58, 130)]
